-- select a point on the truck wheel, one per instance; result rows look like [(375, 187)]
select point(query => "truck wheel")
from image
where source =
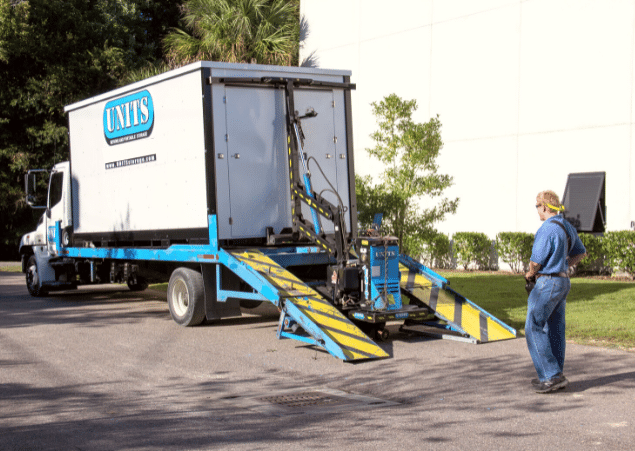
[(33, 279), (186, 297), (246, 303), (382, 334), (138, 284)]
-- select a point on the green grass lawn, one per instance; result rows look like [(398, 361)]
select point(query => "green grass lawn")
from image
[(11, 268), (598, 311), (159, 286)]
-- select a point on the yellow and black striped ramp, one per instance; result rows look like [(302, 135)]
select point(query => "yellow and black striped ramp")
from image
[(451, 307), (318, 317)]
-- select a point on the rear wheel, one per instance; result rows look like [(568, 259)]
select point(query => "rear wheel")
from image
[(137, 284), (246, 303), (186, 298), (33, 279)]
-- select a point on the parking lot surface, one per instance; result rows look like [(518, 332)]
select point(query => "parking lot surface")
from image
[(103, 368)]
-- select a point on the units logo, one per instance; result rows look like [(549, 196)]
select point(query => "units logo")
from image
[(129, 118), (388, 254)]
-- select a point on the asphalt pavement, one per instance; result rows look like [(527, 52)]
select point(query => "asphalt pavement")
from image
[(103, 368)]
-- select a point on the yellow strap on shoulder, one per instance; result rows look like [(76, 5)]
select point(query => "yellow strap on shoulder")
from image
[(560, 208)]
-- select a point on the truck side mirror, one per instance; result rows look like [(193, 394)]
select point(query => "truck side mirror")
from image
[(35, 198)]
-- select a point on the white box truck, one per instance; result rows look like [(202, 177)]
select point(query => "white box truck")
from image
[(235, 183)]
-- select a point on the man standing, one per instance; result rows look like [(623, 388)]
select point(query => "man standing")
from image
[(556, 248)]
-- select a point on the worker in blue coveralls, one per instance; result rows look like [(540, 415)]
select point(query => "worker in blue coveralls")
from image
[(557, 247)]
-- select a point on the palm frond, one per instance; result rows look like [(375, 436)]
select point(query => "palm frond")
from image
[(265, 31)]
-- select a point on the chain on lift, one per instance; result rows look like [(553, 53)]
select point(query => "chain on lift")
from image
[(386, 271)]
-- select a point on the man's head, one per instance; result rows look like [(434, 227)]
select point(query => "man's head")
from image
[(548, 204)]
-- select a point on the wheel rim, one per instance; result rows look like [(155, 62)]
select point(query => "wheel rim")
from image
[(180, 298), (32, 278)]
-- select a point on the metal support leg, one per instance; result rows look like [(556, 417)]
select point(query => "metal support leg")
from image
[(287, 322)]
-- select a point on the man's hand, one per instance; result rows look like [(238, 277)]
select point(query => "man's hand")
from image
[(533, 270)]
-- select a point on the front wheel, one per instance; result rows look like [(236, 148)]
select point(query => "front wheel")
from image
[(186, 298), (33, 279)]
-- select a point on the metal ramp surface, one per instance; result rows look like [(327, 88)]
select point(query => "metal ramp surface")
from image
[(324, 325), (461, 314)]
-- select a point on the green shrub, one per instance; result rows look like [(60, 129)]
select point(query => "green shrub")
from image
[(594, 261), (514, 248), (472, 248), (619, 250), (615, 251), (437, 252)]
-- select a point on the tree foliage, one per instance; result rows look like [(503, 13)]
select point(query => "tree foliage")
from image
[(56, 52), (408, 150), (243, 31), (53, 53)]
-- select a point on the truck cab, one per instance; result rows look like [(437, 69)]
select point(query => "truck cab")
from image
[(37, 248)]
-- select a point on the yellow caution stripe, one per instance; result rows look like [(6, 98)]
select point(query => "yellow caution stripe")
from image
[(353, 342), (453, 308), (339, 328)]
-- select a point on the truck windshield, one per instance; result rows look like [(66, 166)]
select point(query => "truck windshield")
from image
[(55, 190)]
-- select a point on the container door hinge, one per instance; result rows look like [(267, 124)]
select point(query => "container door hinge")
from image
[(231, 221)]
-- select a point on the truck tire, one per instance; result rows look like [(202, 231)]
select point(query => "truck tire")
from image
[(140, 285), (33, 279), (186, 298)]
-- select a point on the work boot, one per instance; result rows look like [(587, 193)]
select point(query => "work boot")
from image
[(557, 383), (536, 382)]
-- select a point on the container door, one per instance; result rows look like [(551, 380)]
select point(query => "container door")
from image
[(319, 146), (257, 161)]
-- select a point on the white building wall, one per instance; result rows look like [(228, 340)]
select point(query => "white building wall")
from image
[(527, 91)]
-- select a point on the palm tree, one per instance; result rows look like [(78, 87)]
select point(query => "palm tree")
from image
[(248, 31)]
